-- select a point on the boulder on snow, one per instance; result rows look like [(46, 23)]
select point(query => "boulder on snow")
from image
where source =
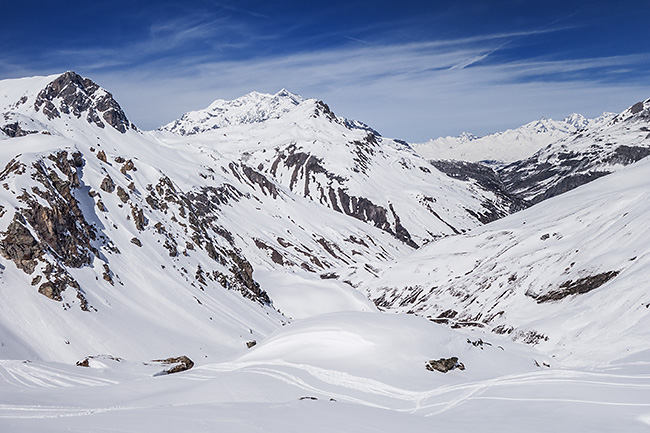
[(444, 365), (178, 364)]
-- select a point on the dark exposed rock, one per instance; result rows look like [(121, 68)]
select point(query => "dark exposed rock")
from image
[(86, 361), (108, 275), (128, 166), (77, 96), (180, 363), (138, 218), (478, 343), (636, 108), (628, 154), (543, 176), (251, 343), (243, 279), (136, 241), (101, 155), (122, 194), (529, 336), (60, 225), (201, 211), (14, 130), (50, 228), (400, 231), (322, 109), (489, 180), (13, 167), (580, 286), (444, 365), (257, 178), (364, 151), (276, 256), (19, 246), (107, 184)]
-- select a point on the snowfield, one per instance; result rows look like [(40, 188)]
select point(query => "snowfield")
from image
[(335, 372), (264, 265)]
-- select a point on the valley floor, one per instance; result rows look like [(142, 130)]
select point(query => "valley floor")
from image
[(360, 372)]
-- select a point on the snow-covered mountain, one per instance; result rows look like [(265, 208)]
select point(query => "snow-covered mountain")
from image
[(265, 239), (510, 145), (85, 192), (582, 157), (254, 107)]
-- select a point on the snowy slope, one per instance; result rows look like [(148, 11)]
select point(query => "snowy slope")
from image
[(269, 219), (89, 202), (582, 157), (568, 274), (345, 166), (254, 107), (344, 372), (510, 145)]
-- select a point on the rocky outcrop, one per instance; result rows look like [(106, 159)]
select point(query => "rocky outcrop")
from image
[(175, 365), (49, 233), (20, 246), (72, 94), (14, 130), (444, 365), (487, 178), (577, 287)]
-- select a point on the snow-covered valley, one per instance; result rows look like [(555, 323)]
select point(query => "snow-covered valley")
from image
[(318, 275)]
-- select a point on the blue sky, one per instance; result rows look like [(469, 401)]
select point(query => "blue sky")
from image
[(411, 69)]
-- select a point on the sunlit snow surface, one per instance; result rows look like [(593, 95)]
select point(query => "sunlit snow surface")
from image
[(510, 145), (332, 362), (359, 372)]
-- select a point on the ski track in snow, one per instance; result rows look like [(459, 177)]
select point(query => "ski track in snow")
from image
[(26, 374), (594, 387)]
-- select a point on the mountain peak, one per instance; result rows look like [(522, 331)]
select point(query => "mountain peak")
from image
[(638, 111), (70, 93), (254, 107)]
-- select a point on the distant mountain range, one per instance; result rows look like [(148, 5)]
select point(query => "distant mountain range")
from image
[(510, 145)]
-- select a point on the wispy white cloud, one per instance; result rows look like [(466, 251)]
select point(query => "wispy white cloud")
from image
[(408, 90), (415, 90)]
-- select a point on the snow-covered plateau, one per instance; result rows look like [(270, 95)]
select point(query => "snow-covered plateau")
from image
[(265, 265)]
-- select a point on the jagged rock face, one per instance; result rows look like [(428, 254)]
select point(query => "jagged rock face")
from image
[(19, 246), (50, 237), (175, 365), (562, 166), (72, 94), (49, 234), (489, 179), (582, 157)]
